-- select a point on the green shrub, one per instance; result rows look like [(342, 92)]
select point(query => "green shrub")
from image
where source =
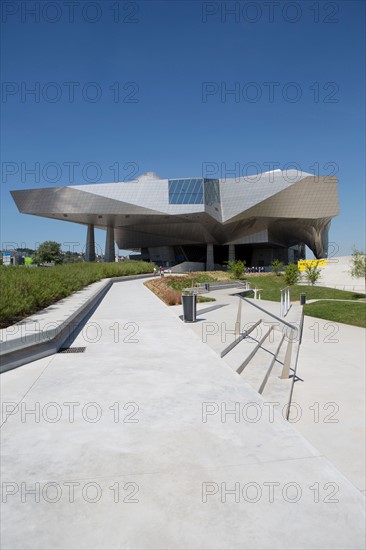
[(236, 268), (25, 290), (292, 274), (277, 267), (312, 273)]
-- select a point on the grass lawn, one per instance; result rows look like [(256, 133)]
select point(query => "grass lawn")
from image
[(25, 290), (340, 312)]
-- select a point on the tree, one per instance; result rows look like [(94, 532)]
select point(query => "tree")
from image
[(312, 273), (277, 267), (49, 251), (358, 265), (292, 274), (236, 267)]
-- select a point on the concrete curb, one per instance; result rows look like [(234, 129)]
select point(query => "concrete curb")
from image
[(43, 333)]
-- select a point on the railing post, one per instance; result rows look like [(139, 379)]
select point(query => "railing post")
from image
[(286, 301), (287, 361), (238, 320)]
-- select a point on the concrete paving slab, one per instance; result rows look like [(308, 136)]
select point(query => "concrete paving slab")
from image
[(237, 507)]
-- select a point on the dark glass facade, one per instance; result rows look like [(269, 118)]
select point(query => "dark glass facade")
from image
[(212, 192)]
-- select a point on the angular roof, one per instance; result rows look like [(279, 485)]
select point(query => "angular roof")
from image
[(243, 206)]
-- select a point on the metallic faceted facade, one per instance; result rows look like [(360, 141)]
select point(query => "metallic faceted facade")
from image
[(279, 209)]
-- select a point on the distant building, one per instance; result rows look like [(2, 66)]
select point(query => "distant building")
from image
[(13, 257), (256, 218)]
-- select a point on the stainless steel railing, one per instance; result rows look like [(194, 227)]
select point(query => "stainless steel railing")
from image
[(285, 301), (295, 333)]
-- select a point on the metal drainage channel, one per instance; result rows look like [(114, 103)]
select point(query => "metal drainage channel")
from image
[(71, 350)]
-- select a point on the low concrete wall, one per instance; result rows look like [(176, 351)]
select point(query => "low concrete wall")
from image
[(45, 332)]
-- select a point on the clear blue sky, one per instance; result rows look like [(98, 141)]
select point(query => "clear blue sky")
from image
[(165, 118)]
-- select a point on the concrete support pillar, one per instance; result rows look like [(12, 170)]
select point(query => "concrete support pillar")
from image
[(90, 244), (109, 255), (210, 258), (231, 252)]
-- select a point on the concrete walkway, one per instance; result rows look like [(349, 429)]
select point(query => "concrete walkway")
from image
[(119, 454), (331, 394), (329, 408)]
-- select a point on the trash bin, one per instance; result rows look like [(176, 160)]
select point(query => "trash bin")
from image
[(189, 302), (302, 299)]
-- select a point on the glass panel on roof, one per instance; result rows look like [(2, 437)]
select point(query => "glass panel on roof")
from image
[(189, 191)]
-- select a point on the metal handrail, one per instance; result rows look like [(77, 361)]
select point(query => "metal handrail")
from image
[(295, 366), (287, 361), (294, 327)]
